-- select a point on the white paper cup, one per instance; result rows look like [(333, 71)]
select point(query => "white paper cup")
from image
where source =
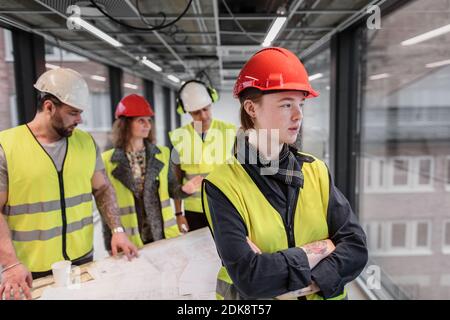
[(61, 273)]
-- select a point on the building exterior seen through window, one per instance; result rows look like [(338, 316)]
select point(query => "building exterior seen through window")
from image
[(404, 164), (8, 109)]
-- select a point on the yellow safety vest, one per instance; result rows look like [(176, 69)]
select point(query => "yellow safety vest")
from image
[(198, 157), (264, 224), (48, 212), (126, 202)]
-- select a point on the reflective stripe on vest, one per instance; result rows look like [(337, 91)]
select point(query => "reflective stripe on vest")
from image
[(264, 224), (126, 202), (49, 213), (199, 157), (47, 206), (43, 235)]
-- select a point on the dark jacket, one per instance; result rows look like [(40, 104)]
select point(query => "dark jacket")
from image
[(269, 275)]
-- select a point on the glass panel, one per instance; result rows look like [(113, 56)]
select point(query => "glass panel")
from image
[(97, 119), (400, 172), (369, 173), (422, 234), (380, 237), (8, 105), (405, 124), (447, 234), (315, 134), (448, 170), (398, 235), (424, 171), (381, 172)]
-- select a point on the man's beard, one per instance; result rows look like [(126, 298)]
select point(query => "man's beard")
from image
[(64, 132)]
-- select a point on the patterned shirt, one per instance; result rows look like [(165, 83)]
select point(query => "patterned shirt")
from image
[(138, 162)]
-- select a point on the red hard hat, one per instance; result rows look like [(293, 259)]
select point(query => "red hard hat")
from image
[(134, 105), (274, 69)]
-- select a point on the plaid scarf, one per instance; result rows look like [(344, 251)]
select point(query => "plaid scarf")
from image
[(286, 168)]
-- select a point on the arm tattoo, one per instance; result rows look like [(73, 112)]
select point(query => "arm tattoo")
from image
[(105, 198), (318, 247), (175, 184)]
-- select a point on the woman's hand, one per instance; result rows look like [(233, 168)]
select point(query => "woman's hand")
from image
[(253, 246), (193, 185), (318, 250), (312, 288), (182, 223)]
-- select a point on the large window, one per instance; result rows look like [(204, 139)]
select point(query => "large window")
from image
[(8, 105), (404, 175), (315, 134), (96, 119)]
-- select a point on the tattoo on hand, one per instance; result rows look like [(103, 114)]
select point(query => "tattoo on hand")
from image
[(318, 247)]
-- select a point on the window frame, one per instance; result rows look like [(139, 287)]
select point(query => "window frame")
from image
[(445, 247), (411, 249), (447, 173), (388, 186)]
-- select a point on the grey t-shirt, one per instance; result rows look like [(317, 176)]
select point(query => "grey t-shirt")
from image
[(56, 151)]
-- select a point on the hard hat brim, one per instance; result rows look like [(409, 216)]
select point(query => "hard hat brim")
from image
[(284, 87)]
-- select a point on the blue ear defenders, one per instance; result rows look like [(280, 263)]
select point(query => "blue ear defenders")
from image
[(211, 91)]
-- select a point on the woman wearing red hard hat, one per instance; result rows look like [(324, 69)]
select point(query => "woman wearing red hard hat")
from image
[(142, 176), (281, 227)]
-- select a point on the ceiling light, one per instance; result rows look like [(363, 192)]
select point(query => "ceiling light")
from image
[(51, 66), (95, 31), (427, 35), (151, 65), (437, 64), (379, 76), (130, 86), (315, 76), (274, 30), (173, 78), (98, 78)]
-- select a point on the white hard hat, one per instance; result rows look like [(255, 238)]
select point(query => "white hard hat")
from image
[(67, 85), (194, 96)]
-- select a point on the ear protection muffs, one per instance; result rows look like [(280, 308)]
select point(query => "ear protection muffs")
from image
[(211, 91)]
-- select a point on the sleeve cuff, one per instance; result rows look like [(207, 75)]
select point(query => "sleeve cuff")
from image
[(299, 271), (328, 280)]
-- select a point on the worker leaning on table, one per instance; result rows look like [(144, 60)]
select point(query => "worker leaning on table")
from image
[(49, 171), (142, 176), (279, 223)]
